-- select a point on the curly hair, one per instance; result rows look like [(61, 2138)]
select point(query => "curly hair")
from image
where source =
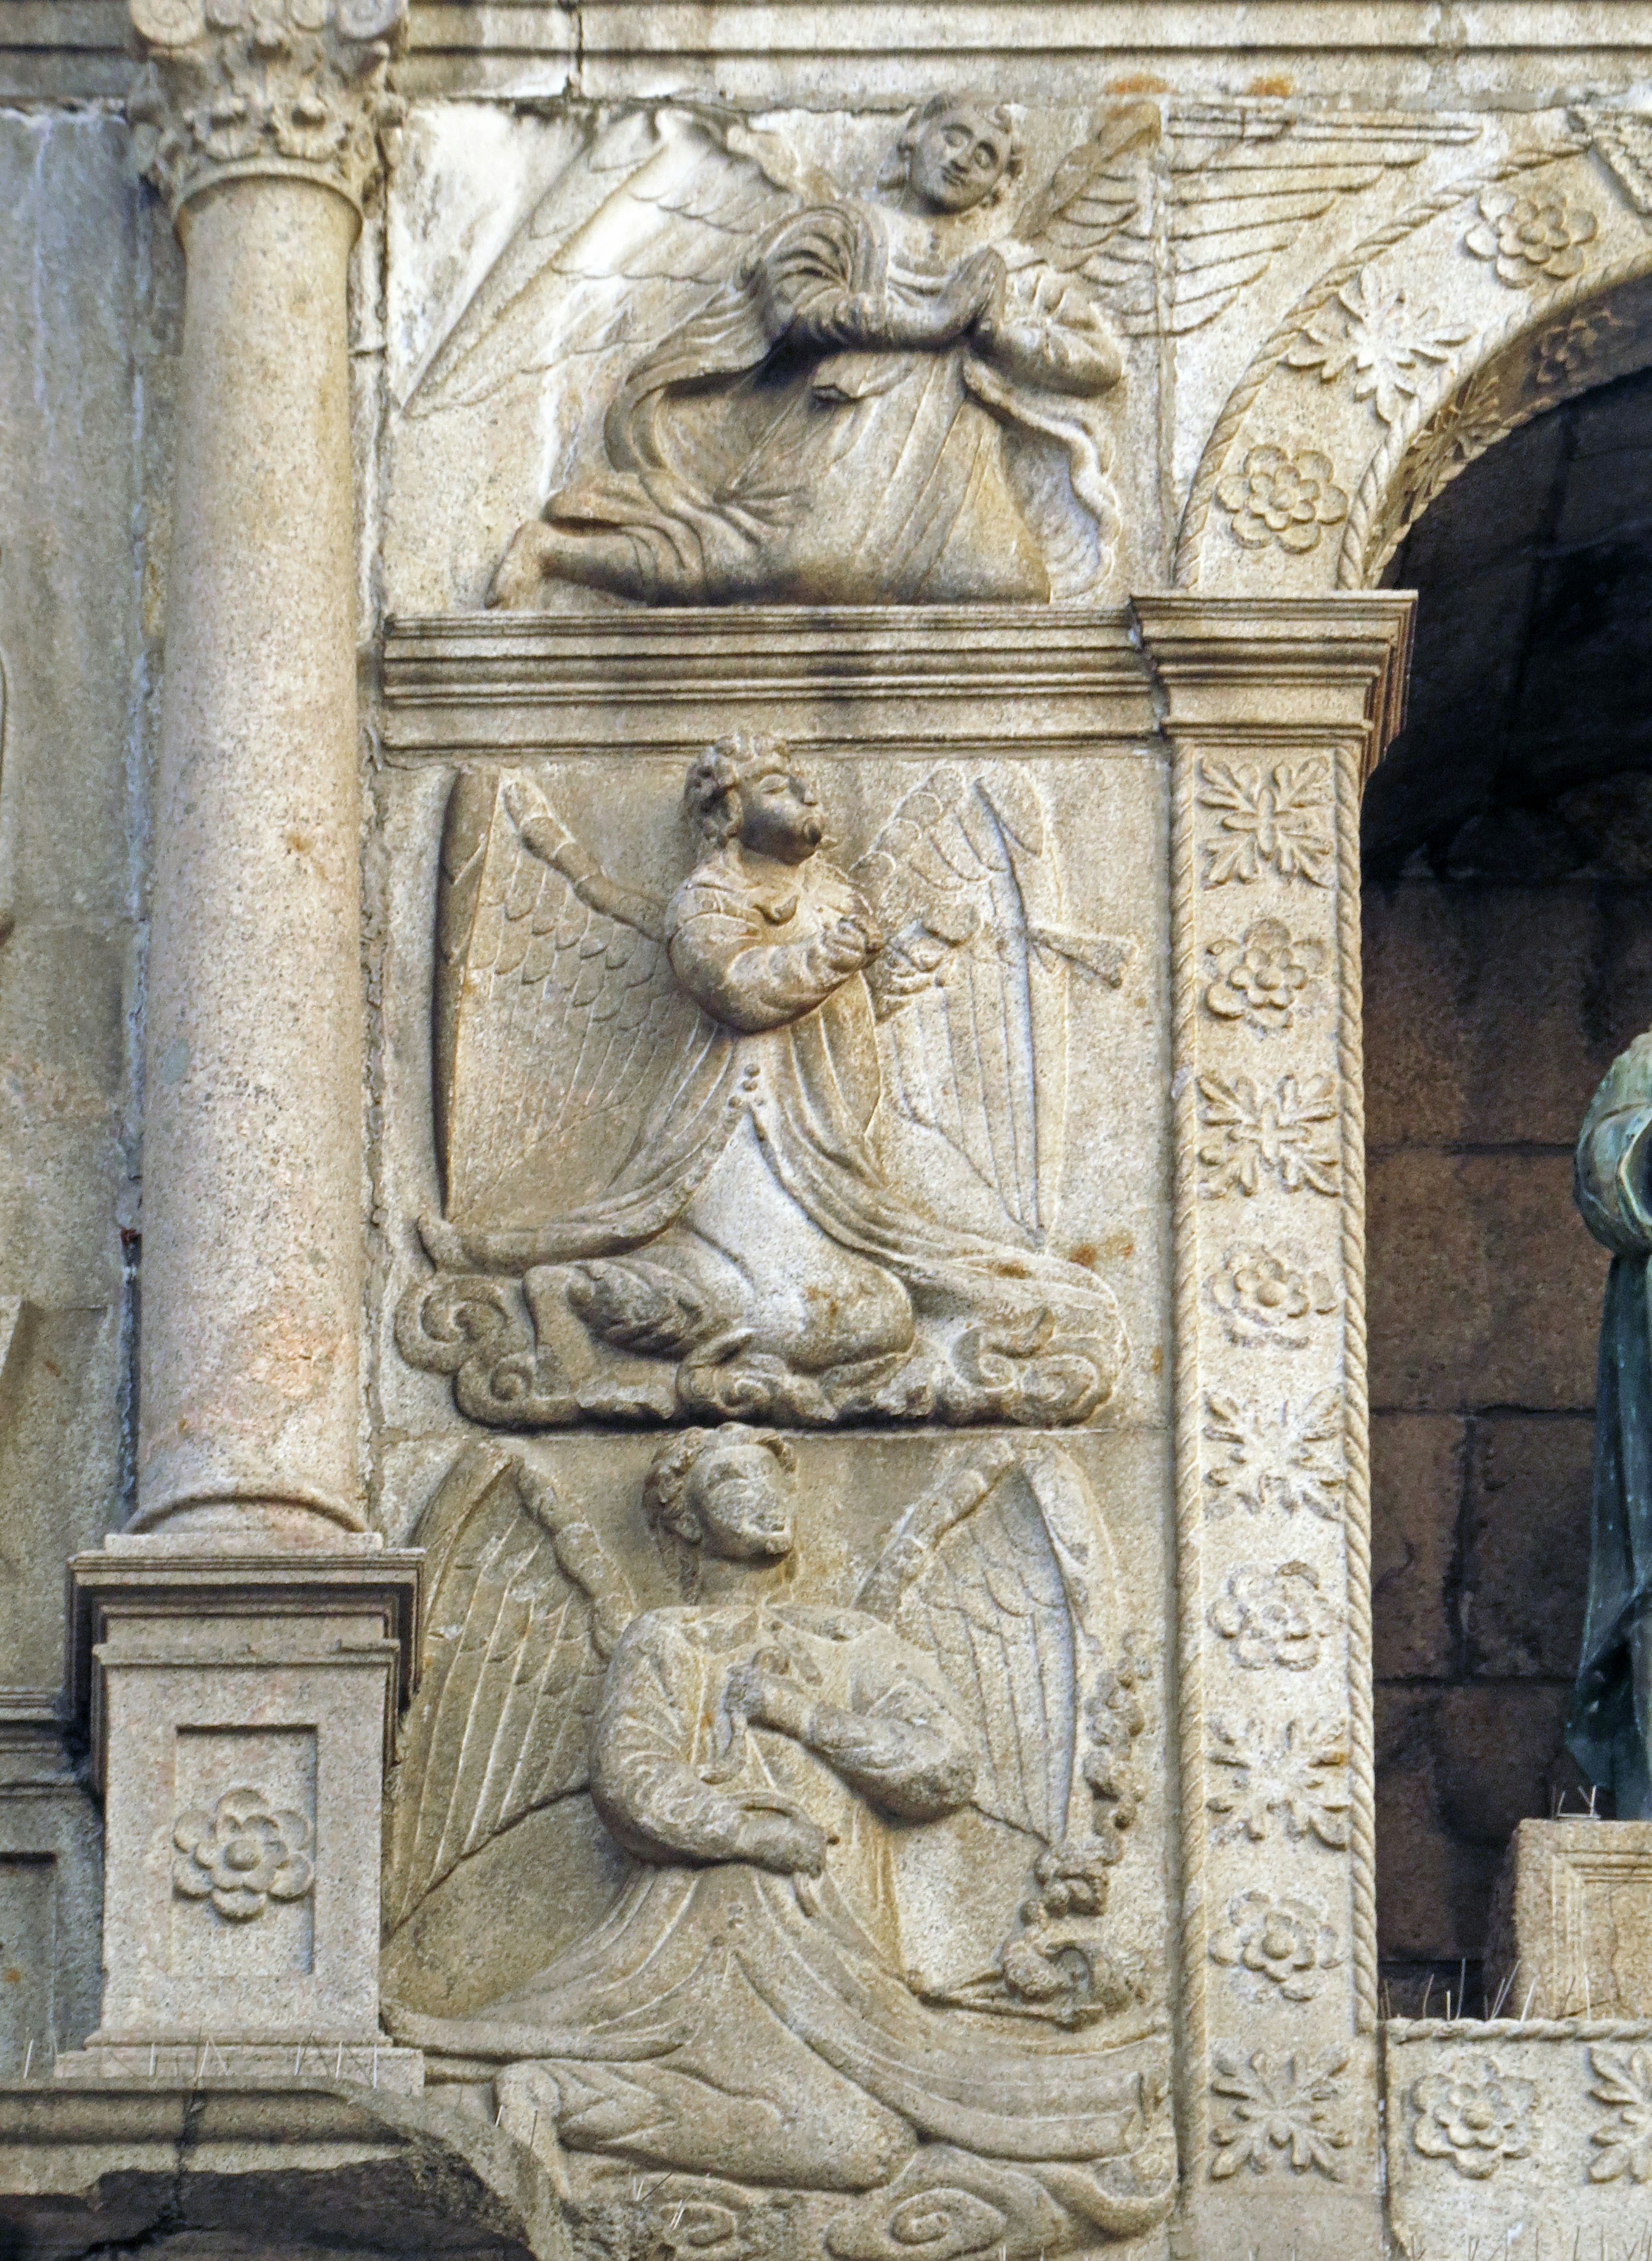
[(665, 1487), (716, 777), (996, 114)]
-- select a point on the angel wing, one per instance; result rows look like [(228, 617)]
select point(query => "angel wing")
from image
[(1240, 183), (557, 1019), (524, 1607), (1007, 1576), (971, 986), (596, 267)]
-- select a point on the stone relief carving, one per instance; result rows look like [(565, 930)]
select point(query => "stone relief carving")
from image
[(1296, 1774), (242, 1855), (886, 399), (1276, 2112), (1289, 1458), (1282, 497), (783, 1770), (1264, 976), (687, 1129), (1623, 2078), (1271, 1295), (1474, 2114), (238, 86), (1255, 1133), (1392, 347), (1274, 1616), (1531, 238), (759, 346), (1276, 816), (1287, 1943)]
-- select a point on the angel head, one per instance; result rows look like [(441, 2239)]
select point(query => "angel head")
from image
[(954, 153), (724, 1492), (748, 788)]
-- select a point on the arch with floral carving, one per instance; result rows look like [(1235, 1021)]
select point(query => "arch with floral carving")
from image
[(1500, 296)]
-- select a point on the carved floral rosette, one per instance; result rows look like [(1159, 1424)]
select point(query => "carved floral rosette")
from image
[(1503, 289), (239, 87)]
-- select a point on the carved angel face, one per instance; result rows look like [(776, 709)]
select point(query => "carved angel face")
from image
[(956, 159), (742, 1498), (780, 816)]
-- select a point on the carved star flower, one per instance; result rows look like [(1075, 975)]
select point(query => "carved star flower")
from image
[(242, 1855), (1276, 2112), (1529, 237), (1473, 2114), (1623, 2078), (1268, 817), (1261, 979), (1287, 1941), (1281, 1132), (1298, 1777), (1289, 1458), (1283, 497), (1390, 345)]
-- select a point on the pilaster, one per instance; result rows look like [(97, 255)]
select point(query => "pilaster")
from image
[(1275, 712)]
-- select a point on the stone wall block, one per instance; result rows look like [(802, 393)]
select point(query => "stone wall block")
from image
[(1525, 1565), (1465, 981), (1417, 1479), (1486, 1265)]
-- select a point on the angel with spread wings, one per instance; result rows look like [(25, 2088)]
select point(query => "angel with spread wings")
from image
[(760, 383), (695, 1123), (748, 2007), (868, 407)]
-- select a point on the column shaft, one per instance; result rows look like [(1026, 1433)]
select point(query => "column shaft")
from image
[(252, 1204)]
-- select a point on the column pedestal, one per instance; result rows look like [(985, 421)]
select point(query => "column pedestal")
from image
[(242, 1709)]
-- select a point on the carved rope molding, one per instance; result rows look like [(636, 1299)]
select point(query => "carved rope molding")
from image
[(234, 87)]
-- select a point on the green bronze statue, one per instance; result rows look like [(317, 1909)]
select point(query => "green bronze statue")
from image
[(1610, 1731)]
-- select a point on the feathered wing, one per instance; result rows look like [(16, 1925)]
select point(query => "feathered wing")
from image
[(1239, 183), (598, 268), (557, 1019), (523, 1606), (1006, 1575), (970, 988)]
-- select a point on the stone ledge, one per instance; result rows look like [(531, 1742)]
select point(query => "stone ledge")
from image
[(115, 2164)]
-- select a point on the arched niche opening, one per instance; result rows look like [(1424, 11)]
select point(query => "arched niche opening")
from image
[(1508, 841)]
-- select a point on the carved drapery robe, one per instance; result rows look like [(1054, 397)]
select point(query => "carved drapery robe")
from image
[(787, 1057), (782, 447), (1608, 1728), (727, 2019)]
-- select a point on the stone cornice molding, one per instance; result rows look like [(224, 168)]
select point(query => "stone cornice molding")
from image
[(291, 88)]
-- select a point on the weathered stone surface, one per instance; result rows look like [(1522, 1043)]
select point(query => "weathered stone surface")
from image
[(1500, 2134), (1458, 1769), (1417, 1484), (1571, 1926), (808, 1838), (1484, 1267), (1525, 1545), (70, 836)]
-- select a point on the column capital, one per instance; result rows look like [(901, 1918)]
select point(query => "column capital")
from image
[(239, 88)]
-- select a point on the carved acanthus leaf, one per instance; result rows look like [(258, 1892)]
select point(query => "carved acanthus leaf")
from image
[(293, 87)]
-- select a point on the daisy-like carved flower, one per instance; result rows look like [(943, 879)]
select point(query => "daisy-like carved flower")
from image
[(1281, 498), (242, 1855), (1261, 979), (1285, 1941), (1526, 238), (1473, 2114)]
